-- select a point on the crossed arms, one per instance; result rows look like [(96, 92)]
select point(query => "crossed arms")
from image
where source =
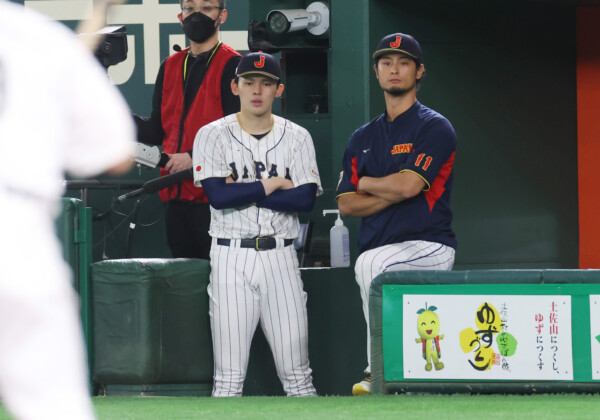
[(376, 194), (275, 193)]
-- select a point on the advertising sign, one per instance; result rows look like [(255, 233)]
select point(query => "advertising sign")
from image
[(493, 337)]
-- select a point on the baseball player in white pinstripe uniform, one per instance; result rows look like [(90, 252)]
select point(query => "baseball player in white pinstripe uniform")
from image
[(258, 170)]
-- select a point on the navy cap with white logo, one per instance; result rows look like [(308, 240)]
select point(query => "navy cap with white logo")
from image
[(259, 63), (398, 43)]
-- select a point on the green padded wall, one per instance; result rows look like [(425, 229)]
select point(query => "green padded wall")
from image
[(151, 322)]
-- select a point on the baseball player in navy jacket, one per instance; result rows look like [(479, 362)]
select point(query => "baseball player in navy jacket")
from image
[(397, 175)]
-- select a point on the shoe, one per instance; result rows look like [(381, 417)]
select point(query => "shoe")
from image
[(363, 387)]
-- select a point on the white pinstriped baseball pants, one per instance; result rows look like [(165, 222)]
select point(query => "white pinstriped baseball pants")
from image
[(247, 287), (409, 255)]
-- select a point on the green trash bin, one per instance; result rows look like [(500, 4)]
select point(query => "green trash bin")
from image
[(151, 327)]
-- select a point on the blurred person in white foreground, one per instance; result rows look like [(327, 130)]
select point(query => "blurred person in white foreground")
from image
[(58, 113)]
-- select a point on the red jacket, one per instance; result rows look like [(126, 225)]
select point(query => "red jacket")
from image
[(205, 109)]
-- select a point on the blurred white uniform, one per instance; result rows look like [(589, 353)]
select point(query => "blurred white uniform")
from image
[(58, 112)]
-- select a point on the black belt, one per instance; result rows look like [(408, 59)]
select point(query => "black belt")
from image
[(259, 244)]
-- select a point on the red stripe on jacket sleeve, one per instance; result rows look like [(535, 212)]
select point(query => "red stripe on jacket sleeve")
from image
[(437, 188), (354, 179)]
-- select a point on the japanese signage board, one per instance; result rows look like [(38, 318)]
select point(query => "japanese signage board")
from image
[(487, 337), (492, 333)]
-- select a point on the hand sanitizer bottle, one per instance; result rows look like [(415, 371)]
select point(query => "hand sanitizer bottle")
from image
[(339, 242)]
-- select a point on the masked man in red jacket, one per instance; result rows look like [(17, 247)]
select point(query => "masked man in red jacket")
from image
[(192, 89)]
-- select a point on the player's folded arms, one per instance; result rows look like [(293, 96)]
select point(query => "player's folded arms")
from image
[(266, 194)]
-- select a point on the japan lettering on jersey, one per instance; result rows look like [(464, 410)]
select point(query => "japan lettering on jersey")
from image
[(224, 149)]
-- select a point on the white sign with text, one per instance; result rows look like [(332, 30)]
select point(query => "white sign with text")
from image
[(487, 337)]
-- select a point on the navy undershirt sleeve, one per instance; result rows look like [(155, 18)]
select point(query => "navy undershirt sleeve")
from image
[(222, 195), (298, 199)]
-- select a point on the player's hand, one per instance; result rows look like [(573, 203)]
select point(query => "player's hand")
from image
[(276, 183), (178, 162), (286, 184), (229, 180), (358, 190)]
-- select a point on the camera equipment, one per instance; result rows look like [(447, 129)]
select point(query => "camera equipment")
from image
[(315, 19), (112, 47)]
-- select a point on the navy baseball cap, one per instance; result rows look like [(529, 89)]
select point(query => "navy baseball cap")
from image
[(398, 43), (259, 63)]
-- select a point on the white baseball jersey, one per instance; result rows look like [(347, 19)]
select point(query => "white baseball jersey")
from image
[(222, 149), (248, 287), (58, 112)]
